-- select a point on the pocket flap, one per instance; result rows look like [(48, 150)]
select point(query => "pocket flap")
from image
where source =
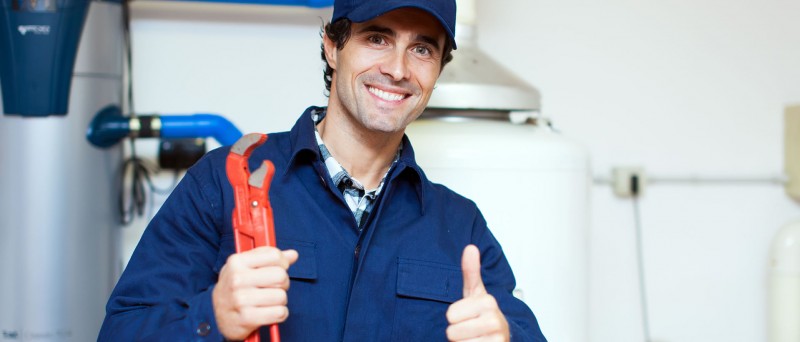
[(306, 265), (429, 280)]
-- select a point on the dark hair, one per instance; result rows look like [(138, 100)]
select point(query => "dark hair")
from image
[(339, 33)]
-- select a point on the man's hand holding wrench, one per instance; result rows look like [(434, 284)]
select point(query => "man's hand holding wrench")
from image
[(252, 285)]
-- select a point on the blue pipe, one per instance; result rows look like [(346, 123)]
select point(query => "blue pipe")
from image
[(200, 126), (306, 3), (109, 126)]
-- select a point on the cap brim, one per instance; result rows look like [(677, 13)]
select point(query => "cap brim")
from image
[(363, 13)]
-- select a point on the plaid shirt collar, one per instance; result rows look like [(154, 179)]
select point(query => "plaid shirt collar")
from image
[(359, 200)]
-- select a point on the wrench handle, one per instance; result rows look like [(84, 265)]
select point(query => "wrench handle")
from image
[(261, 216), (262, 225)]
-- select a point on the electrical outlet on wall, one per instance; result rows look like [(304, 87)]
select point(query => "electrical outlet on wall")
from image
[(628, 181), (791, 150)]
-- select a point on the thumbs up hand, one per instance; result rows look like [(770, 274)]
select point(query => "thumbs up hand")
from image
[(477, 315)]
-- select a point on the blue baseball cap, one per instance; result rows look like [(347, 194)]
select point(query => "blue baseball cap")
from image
[(362, 10)]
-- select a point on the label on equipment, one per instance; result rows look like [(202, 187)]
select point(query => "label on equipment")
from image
[(34, 29)]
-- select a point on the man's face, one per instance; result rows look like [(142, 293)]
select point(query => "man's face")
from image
[(386, 71)]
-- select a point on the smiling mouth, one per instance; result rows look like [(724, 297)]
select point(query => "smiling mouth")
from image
[(385, 95)]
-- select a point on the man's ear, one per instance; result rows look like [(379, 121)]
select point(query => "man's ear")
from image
[(330, 50)]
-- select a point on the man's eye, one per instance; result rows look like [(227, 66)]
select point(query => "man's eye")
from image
[(422, 50), (375, 39)]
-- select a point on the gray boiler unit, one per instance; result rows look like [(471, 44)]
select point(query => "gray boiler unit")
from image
[(59, 231)]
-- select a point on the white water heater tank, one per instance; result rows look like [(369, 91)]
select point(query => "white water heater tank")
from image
[(532, 185), (784, 285)]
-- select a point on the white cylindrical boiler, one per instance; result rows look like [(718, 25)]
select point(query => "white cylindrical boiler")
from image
[(532, 185), (784, 285)]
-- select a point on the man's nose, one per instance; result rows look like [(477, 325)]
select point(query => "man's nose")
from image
[(395, 65)]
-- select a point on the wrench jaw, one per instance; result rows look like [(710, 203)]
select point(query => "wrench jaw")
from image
[(251, 201), (246, 144), (261, 178), (261, 210), (236, 167)]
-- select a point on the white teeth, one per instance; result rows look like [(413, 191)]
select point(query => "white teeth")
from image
[(385, 95)]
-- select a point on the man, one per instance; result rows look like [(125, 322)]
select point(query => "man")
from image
[(373, 251)]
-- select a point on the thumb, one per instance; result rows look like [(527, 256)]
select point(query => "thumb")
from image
[(291, 255), (471, 269)]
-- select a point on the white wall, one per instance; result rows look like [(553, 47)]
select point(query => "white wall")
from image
[(681, 88), (258, 66), (678, 87)]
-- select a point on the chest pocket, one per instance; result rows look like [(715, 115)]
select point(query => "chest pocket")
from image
[(424, 292), (429, 280), (305, 268)]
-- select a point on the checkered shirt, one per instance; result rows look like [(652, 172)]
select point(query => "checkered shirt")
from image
[(359, 200)]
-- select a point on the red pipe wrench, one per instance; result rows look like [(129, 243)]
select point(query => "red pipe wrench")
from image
[(252, 215)]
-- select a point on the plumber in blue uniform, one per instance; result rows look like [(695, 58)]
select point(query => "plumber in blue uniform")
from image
[(368, 249)]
